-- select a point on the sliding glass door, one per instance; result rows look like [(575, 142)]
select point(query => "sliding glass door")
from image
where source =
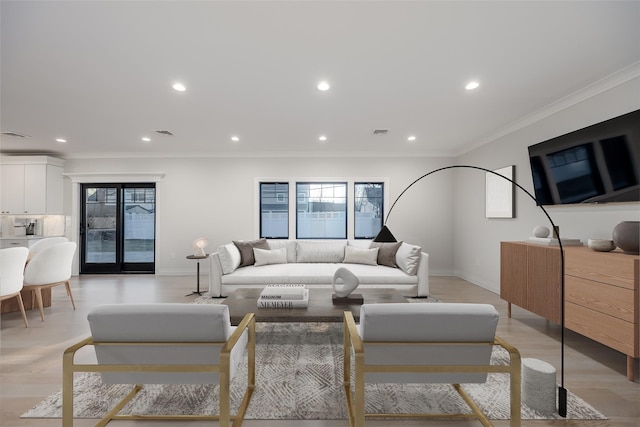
[(118, 228)]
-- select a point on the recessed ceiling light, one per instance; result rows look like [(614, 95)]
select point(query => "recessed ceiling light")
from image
[(472, 85), (322, 138), (146, 139), (411, 138), (15, 134), (179, 87), (61, 140), (235, 139), (323, 86)]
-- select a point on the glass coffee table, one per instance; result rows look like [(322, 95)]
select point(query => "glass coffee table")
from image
[(320, 309)]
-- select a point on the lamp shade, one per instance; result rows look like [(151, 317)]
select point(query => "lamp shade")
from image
[(385, 235), (199, 244)]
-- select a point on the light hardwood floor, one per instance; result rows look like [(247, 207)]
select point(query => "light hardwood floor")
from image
[(31, 359)]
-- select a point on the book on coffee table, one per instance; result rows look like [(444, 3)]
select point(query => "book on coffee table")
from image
[(267, 301), (283, 292)]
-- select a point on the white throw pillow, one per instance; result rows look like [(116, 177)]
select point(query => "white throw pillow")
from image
[(355, 255), (360, 243), (229, 257), (273, 256), (408, 258), (290, 245), (308, 251)]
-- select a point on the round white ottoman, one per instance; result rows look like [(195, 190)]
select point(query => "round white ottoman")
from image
[(539, 385)]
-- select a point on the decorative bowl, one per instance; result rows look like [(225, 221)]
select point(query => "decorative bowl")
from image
[(541, 231), (601, 245)]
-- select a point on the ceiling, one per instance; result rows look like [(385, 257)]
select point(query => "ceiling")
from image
[(99, 73)]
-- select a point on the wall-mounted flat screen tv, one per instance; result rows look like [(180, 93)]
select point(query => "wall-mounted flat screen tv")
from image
[(597, 164)]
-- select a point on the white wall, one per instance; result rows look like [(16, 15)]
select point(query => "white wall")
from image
[(444, 213), (477, 239), (214, 198)]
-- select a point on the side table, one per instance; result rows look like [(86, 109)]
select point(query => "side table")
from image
[(197, 258)]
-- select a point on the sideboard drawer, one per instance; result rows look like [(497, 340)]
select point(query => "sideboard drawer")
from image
[(608, 330), (613, 268), (611, 300)]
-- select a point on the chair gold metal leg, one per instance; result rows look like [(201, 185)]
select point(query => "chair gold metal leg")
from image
[(474, 407), (111, 415), (359, 392), (225, 409), (516, 386), (67, 389)]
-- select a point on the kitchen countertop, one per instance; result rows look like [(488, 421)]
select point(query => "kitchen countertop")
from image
[(33, 236)]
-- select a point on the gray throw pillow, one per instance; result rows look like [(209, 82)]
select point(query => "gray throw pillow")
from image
[(246, 250), (386, 253)]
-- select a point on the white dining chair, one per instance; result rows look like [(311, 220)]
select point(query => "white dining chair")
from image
[(12, 261), (48, 268), (45, 243)]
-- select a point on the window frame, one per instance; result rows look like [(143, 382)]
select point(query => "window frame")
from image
[(288, 203), (292, 212), (306, 199), (382, 208)]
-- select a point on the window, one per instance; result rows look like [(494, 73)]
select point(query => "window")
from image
[(118, 228), (274, 210), (368, 209), (321, 210)]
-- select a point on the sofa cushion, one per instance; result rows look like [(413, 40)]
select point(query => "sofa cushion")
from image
[(309, 251), (360, 243), (246, 250), (229, 257), (316, 274), (408, 258), (270, 256), (387, 253), (355, 255), (456, 322), (290, 245), (161, 322)]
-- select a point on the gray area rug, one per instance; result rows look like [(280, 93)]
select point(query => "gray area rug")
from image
[(299, 369)]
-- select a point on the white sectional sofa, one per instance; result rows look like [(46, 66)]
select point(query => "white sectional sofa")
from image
[(313, 262)]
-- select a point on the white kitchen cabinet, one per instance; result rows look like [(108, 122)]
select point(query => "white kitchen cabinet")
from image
[(12, 186), (31, 185), (54, 190), (24, 242)]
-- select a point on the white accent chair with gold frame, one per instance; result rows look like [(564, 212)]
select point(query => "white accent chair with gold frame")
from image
[(165, 344), (424, 343)]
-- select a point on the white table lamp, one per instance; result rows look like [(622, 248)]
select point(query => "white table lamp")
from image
[(199, 244)]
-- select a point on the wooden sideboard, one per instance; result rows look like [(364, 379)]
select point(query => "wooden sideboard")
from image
[(602, 296)]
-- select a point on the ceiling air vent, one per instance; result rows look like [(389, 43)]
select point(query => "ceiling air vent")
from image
[(380, 131), (164, 132), (15, 135)]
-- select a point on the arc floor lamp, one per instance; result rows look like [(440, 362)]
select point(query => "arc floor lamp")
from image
[(385, 235)]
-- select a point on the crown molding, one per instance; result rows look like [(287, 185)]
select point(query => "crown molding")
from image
[(99, 177), (616, 79), (253, 154)]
